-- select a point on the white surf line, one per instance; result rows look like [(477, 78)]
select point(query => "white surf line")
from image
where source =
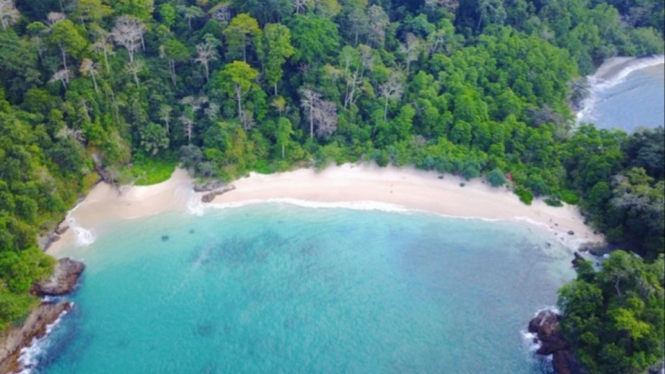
[(598, 85)]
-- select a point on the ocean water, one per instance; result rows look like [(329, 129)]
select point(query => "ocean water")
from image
[(277, 288), (629, 97)]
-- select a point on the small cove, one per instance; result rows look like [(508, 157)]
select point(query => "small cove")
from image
[(280, 288)]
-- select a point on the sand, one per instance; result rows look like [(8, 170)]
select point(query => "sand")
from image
[(350, 185)]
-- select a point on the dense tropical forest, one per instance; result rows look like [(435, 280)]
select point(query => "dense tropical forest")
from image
[(470, 87)]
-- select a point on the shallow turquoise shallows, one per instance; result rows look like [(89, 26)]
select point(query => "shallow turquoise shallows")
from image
[(275, 288)]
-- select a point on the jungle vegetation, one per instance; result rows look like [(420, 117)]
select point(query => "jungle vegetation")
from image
[(479, 88)]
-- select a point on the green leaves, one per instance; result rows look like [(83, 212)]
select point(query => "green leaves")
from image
[(274, 49), (240, 33), (315, 39), (19, 270), (613, 318)]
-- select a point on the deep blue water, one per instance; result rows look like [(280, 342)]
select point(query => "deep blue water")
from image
[(275, 288)]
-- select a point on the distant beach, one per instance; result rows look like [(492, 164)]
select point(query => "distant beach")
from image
[(626, 93), (364, 187)]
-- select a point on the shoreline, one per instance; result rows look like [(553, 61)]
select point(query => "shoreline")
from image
[(351, 186), (611, 72)]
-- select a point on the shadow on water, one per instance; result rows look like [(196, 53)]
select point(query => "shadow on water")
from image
[(205, 329), (210, 368), (237, 251)]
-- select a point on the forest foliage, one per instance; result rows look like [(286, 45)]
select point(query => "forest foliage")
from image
[(614, 317), (471, 87)]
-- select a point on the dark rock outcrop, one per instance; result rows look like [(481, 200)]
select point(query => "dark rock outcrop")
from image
[(210, 196), (62, 281), (12, 341), (209, 187), (578, 258), (61, 229), (546, 327)]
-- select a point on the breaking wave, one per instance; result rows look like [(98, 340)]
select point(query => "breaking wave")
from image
[(599, 84), (29, 357), (84, 237)]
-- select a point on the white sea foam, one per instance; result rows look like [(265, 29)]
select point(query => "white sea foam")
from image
[(529, 341), (598, 84), (571, 242), (194, 204), (354, 205), (29, 355), (84, 237), (196, 207)]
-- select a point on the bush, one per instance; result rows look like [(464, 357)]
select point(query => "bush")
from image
[(151, 170), (553, 201), (496, 178), (569, 197), (382, 158), (525, 196)]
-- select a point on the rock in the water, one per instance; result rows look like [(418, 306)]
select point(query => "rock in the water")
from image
[(33, 327), (62, 281), (546, 327), (578, 258), (571, 232)]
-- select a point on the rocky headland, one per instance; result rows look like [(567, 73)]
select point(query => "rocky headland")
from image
[(548, 335), (62, 282)]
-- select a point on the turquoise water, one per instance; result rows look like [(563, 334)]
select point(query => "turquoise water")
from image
[(275, 288)]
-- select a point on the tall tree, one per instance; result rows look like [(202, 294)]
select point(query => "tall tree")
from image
[(134, 68), (91, 11), (105, 48), (91, 68), (62, 76), (189, 13), (274, 49), (391, 90), (411, 49), (309, 99), (378, 23), (240, 33), (68, 40), (165, 115), (322, 114), (128, 32), (283, 134), (175, 51), (237, 79), (141, 9), (205, 53), (315, 39)]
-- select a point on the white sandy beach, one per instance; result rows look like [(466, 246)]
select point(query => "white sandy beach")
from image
[(352, 186)]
